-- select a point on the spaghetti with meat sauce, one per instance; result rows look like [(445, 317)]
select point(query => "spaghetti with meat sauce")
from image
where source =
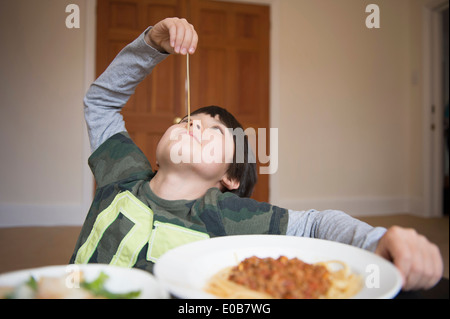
[(284, 278)]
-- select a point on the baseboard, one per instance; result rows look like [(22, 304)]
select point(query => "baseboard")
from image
[(370, 206), (24, 215)]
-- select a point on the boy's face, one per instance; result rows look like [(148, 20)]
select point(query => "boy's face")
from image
[(207, 148)]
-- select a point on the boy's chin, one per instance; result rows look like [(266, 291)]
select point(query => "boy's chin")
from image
[(206, 170)]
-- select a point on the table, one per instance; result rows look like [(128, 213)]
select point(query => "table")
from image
[(440, 291)]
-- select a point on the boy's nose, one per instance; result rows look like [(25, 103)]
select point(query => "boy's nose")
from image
[(195, 124)]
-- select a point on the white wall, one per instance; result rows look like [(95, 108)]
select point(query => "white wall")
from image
[(343, 108), (346, 100), (42, 131)]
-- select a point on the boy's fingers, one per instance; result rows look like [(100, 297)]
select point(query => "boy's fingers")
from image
[(194, 42), (175, 36), (185, 40), (418, 260), (181, 34), (172, 34)]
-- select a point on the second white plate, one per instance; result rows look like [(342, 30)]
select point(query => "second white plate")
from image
[(185, 270)]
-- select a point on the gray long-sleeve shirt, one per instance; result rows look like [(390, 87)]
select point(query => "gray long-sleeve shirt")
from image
[(111, 91)]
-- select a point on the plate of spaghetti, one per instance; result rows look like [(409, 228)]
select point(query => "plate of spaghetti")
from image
[(275, 267)]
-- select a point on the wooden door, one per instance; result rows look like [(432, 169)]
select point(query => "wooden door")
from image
[(230, 68)]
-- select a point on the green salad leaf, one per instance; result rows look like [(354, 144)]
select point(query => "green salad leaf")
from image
[(32, 283), (97, 288)]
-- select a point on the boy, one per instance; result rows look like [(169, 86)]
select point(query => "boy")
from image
[(138, 214)]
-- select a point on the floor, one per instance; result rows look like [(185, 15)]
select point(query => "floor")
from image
[(30, 247)]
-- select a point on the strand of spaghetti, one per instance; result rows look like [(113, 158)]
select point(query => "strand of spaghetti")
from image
[(220, 286), (188, 89)]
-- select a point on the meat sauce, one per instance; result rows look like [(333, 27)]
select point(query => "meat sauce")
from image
[(282, 278)]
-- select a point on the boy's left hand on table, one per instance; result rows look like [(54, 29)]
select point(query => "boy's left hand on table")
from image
[(418, 260)]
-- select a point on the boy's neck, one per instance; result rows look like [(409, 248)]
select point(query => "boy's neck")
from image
[(176, 187)]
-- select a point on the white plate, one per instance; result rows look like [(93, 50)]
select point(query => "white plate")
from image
[(185, 270), (121, 280)]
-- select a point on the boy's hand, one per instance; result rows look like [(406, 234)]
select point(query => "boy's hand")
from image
[(173, 35), (418, 260)]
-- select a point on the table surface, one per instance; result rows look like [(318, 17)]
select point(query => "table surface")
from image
[(440, 291)]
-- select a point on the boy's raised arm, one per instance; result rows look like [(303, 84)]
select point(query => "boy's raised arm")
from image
[(111, 91)]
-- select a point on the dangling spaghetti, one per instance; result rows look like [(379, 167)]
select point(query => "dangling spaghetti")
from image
[(283, 278), (188, 91)]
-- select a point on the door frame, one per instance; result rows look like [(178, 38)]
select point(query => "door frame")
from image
[(433, 109), (90, 31)]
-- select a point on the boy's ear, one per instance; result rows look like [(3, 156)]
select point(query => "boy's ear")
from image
[(230, 184)]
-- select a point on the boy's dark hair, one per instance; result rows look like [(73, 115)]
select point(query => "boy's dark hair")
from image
[(244, 172)]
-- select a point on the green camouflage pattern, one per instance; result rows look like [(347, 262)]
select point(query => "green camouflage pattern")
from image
[(120, 166)]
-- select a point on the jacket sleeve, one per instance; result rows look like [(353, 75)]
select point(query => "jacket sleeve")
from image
[(334, 225), (111, 91)]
